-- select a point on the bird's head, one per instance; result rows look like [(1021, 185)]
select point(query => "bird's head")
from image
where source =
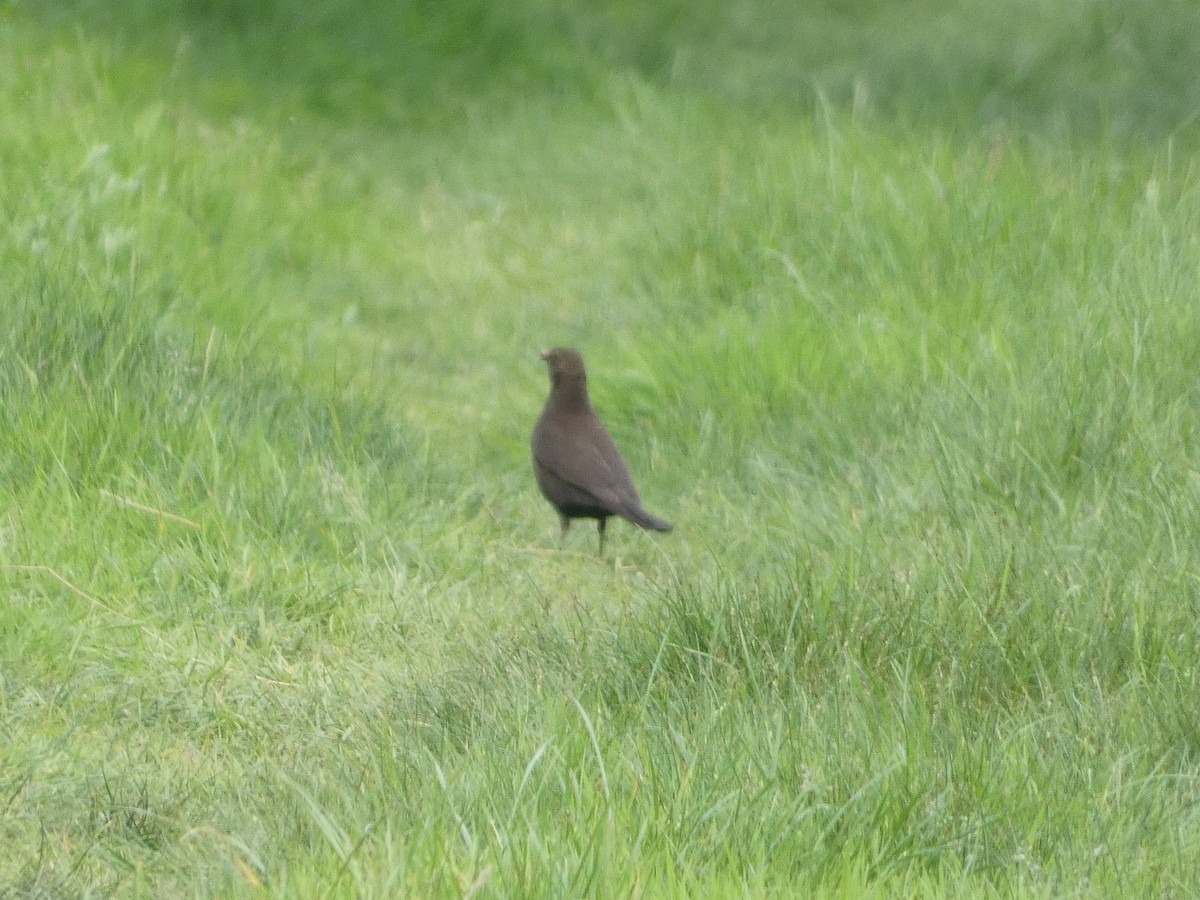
[(565, 364)]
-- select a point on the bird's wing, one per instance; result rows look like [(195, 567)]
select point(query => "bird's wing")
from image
[(586, 457)]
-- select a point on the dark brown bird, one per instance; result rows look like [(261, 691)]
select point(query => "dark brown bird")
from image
[(578, 467)]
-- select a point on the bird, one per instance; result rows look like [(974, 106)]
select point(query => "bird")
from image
[(577, 465)]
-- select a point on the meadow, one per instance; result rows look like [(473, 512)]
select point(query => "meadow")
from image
[(892, 308)]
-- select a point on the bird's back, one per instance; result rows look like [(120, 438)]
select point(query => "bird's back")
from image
[(576, 448)]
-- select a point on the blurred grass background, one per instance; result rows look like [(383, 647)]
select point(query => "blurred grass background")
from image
[(891, 307)]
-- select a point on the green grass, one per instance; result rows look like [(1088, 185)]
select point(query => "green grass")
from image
[(892, 308)]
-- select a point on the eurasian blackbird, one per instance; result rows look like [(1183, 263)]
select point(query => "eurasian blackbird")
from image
[(578, 467)]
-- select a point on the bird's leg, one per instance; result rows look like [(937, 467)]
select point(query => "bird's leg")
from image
[(600, 523), (562, 535)]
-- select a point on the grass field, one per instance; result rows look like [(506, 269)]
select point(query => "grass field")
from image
[(892, 307)]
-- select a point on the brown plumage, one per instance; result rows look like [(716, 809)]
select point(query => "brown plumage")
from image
[(578, 467)]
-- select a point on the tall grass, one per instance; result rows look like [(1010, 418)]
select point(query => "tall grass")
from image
[(902, 333)]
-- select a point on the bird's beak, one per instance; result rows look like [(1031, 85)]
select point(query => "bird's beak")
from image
[(545, 354)]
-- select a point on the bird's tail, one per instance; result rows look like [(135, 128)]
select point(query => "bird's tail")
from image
[(640, 517)]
